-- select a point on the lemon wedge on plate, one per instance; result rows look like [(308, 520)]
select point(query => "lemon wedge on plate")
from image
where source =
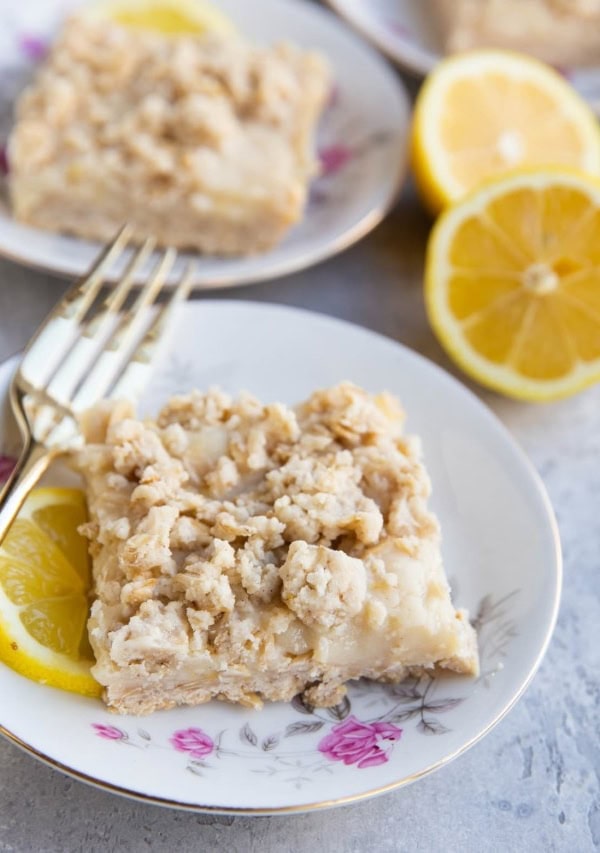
[(170, 17), (512, 284), (482, 114), (44, 581)]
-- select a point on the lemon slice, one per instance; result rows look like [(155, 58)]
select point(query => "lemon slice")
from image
[(482, 114), (512, 284), (44, 580), (170, 17)]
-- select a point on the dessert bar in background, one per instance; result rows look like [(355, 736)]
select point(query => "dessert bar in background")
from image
[(560, 32), (204, 141)]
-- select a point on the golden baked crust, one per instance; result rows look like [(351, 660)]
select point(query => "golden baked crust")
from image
[(204, 142), (247, 551)]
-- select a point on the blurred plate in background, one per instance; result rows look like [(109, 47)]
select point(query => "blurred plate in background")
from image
[(362, 140), (405, 31)]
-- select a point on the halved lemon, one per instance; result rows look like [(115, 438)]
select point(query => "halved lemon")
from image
[(170, 17), (512, 284), (44, 581), (482, 114)]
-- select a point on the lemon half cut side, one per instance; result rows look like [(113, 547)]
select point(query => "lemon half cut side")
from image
[(512, 284), (44, 583)]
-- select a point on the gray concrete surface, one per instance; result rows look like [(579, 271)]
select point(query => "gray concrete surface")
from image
[(530, 785)]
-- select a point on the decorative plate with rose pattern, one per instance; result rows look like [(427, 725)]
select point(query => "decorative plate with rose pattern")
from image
[(501, 552)]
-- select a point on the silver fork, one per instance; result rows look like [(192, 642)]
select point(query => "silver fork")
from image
[(78, 357)]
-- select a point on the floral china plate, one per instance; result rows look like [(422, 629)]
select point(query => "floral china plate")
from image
[(361, 142), (501, 553), (406, 32)]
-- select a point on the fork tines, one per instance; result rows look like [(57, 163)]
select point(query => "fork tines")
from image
[(97, 344)]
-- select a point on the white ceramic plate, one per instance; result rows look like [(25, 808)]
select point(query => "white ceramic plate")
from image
[(362, 140), (501, 552), (406, 32)]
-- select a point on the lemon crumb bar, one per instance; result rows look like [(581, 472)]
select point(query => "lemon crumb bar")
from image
[(561, 32), (246, 552), (204, 141)]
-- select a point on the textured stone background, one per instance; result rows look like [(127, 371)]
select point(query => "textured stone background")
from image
[(530, 785)]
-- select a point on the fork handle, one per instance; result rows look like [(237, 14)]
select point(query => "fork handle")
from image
[(33, 461)]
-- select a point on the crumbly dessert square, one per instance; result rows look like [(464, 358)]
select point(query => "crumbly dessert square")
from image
[(204, 142), (561, 32), (245, 552)]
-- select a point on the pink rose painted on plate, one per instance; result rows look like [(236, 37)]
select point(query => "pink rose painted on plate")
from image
[(400, 29), (334, 157), (109, 732), (7, 463), (359, 743), (193, 741), (33, 47)]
